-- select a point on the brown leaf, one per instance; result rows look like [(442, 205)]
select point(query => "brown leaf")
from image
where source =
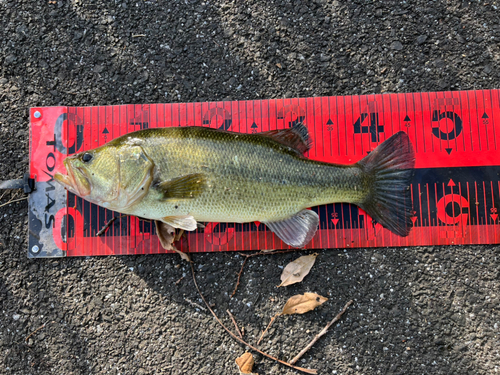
[(295, 271), (245, 363), (166, 234), (302, 303), (167, 237), (184, 256)]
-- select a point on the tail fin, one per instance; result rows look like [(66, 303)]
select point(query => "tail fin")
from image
[(390, 171)]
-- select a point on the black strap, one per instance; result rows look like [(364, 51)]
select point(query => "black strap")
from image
[(26, 183)]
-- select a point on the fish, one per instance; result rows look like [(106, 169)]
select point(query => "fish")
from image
[(184, 176)]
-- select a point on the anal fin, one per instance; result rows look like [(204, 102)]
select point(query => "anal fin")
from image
[(297, 230)]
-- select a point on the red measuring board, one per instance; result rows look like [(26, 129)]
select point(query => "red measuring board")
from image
[(455, 192)]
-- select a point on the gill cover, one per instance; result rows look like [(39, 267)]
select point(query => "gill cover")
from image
[(135, 174), (110, 176)]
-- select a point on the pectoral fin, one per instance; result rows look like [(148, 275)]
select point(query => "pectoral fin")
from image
[(184, 187), (186, 222), (297, 230)]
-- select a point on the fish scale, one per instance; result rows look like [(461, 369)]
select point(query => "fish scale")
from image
[(250, 178)]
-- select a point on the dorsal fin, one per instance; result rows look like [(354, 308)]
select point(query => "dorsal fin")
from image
[(296, 137)]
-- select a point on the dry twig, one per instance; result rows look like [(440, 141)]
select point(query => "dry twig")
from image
[(234, 322), (36, 330), (13, 201), (252, 255), (108, 224), (195, 304), (267, 328), (239, 277), (308, 371), (323, 331)]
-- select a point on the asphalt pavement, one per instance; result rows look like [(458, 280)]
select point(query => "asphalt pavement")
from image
[(417, 310)]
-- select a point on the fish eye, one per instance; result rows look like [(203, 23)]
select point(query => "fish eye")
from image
[(87, 157)]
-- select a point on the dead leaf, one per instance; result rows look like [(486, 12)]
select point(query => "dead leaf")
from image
[(295, 271), (166, 234), (184, 256), (299, 304), (245, 363), (167, 237), (302, 303)]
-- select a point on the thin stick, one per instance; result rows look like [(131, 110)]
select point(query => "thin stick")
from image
[(323, 331), (138, 35), (267, 328), (308, 371), (245, 262), (108, 224), (36, 330), (16, 200), (239, 277), (234, 322), (195, 304), (269, 252)]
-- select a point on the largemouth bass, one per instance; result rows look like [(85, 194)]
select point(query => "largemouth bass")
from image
[(184, 175)]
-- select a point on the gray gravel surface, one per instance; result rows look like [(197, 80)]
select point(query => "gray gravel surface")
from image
[(427, 310)]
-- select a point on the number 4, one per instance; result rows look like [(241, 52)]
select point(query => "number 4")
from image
[(374, 126)]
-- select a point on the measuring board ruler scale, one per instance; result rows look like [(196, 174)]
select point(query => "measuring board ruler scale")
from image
[(455, 191)]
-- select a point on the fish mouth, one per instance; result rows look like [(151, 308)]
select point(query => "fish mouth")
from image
[(75, 181)]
